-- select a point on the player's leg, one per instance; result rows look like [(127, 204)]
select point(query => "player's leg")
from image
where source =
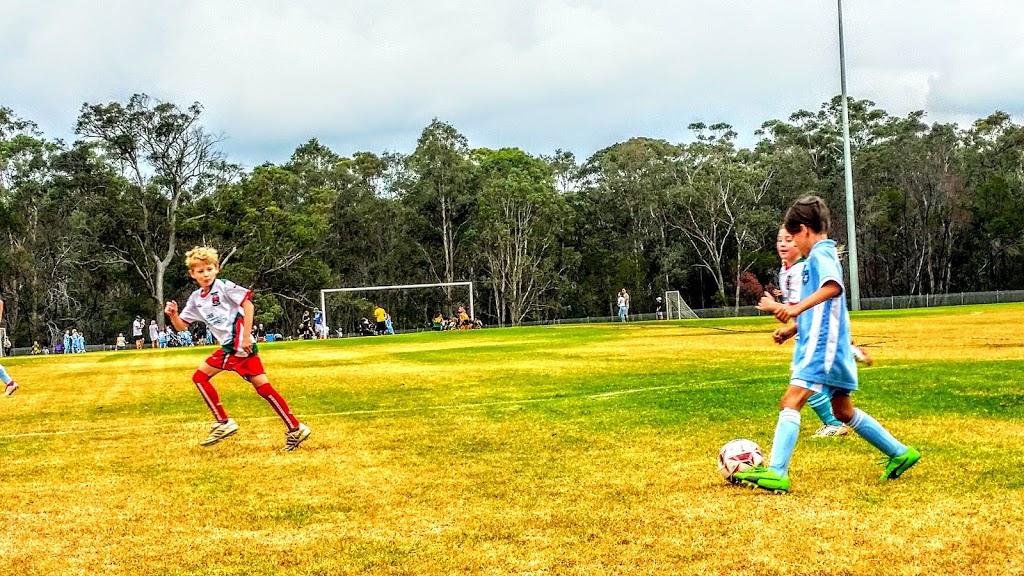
[(10, 386), (223, 425), (830, 425), (900, 456), (776, 476), (251, 369)]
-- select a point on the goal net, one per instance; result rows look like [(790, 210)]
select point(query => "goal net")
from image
[(410, 306), (676, 308)]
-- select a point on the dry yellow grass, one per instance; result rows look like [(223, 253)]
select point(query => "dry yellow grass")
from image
[(561, 450)]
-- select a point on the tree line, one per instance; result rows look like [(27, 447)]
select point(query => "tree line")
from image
[(94, 231)]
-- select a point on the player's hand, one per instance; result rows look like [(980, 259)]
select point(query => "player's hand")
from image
[(171, 308), (785, 313), (777, 293), (782, 334), (247, 343), (767, 303)]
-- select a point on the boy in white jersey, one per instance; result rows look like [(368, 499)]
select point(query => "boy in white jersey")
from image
[(227, 310), (822, 359)]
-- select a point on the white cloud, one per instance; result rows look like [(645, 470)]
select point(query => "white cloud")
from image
[(540, 74)]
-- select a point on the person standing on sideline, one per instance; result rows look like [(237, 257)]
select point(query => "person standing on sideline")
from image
[(659, 308), (10, 386), (154, 333), (380, 316), (626, 294), (227, 310), (621, 303), (822, 359), (137, 332)]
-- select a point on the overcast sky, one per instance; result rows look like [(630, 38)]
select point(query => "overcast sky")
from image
[(537, 74)]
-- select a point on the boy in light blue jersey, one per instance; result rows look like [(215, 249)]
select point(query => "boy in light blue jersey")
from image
[(822, 359)]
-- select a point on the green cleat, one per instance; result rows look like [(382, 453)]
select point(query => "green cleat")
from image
[(897, 465), (764, 478)]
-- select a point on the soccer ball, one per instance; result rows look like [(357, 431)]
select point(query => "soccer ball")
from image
[(739, 456)]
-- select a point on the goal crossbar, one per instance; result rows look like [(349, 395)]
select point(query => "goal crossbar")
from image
[(325, 291)]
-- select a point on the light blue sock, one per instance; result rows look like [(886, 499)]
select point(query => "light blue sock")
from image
[(4, 376), (869, 429), (784, 442), (822, 406)]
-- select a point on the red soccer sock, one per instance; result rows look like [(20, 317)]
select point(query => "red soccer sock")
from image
[(209, 393), (279, 405)]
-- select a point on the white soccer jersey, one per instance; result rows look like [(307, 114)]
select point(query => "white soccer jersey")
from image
[(221, 310), (790, 282)]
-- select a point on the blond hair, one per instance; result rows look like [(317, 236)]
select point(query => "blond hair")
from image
[(201, 255)]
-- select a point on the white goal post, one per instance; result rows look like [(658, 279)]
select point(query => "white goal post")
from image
[(676, 308), (323, 293)]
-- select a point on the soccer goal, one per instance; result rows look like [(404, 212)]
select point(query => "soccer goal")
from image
[(402, 287), (676, 308)]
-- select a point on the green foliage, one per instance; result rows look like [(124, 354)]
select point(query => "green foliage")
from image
[(95, 231)]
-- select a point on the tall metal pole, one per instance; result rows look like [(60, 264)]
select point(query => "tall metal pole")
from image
[(851, 224)]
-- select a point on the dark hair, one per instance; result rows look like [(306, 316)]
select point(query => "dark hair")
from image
[(811, 211)]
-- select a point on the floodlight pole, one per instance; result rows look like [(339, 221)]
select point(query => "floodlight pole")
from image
[(851, 224)]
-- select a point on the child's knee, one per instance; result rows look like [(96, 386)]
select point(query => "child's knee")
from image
[(200, 377)]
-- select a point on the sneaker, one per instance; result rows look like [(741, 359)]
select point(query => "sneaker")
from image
[(295, 437), (220, 431), (11, 388), (861, 355), (897, 465), (830, 430), (764, 478)]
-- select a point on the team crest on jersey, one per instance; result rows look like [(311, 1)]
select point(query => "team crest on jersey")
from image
[(215, 300), (805, 277)]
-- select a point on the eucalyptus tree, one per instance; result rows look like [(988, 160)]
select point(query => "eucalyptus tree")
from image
[(170, 160)]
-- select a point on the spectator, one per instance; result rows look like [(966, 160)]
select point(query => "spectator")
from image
[(318, 324), (438, 321), (659, 308), (7, 346), (154, 333), (120, 343), (621, 303), (261, 334), (380, 316), (137, 325), (36, 348)]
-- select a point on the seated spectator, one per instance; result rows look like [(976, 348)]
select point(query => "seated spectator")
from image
[(36, 349), (120, 343), (438, 321), (465, 322)]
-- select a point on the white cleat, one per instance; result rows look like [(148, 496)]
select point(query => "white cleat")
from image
[(11, 388), (220, 431), (828, 431), (295, 437)]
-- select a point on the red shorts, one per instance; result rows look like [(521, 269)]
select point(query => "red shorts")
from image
[(246, 367)]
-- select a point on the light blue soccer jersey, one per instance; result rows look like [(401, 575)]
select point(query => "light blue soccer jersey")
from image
[(822, 354)]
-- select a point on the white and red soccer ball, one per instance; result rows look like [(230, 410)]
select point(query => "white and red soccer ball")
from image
[(739, 456)]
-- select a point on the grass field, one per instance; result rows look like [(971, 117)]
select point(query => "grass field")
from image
[(549, 450)]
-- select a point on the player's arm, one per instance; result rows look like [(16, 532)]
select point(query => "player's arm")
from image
[(829, 290), (171, 310), (248, 312), (785, 333), (768, 303)]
